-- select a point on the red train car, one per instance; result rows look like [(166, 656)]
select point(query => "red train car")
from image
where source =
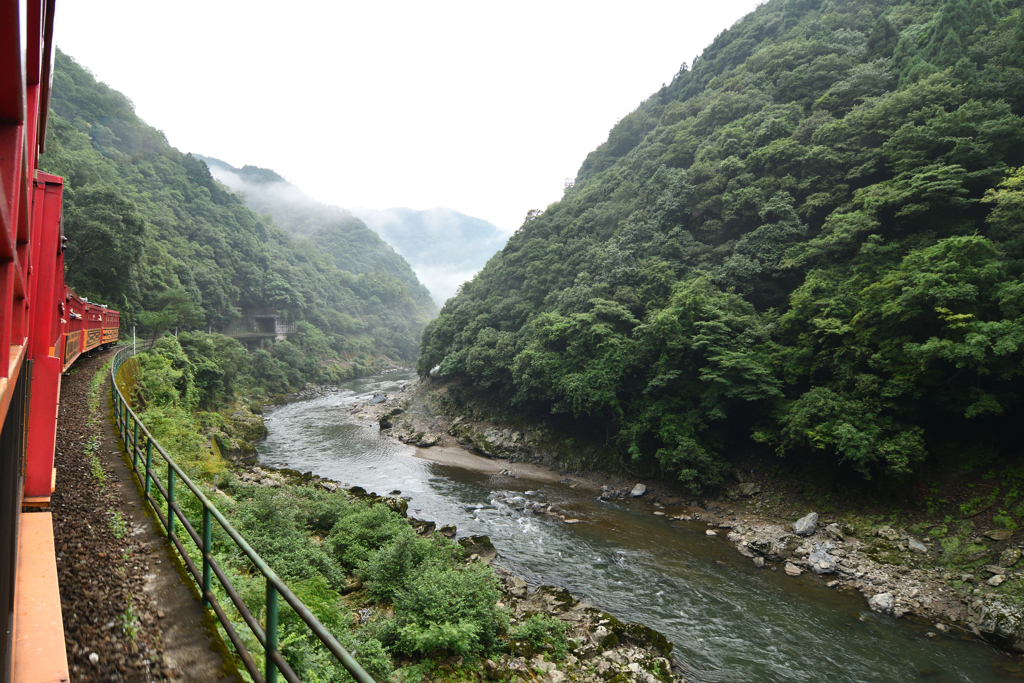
[(88, 326), (44, 327)]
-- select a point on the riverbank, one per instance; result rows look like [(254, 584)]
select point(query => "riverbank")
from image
[(590, 646), (962, 579)]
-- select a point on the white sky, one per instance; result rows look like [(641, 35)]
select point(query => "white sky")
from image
[(482, 107)]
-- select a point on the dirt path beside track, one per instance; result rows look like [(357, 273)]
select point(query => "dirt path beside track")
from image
[(128, 614)]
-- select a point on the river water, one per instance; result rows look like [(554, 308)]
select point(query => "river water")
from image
[(728, 620)]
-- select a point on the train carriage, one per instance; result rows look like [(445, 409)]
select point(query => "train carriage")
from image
[(44, 328)]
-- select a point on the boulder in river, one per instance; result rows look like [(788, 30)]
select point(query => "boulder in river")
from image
[(997, 622), (807, 525), (881, 602), (638, 491), (821, 562)]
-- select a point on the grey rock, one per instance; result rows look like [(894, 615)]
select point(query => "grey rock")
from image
[(793, 570), (835, 532), (1009, 557), (428, 440), (916, 545), (759, 562), (881, 603), (997, 622), (999, 534), (821, 562), (516, 587), (888, 533), (748, 489), (807, 525), (638, 491), (996, 580)]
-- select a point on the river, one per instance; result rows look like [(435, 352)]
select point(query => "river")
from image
[(728, 620)]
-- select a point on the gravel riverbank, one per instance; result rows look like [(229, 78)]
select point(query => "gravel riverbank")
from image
[(899, 571)]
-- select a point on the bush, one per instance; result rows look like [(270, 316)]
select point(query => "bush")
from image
[(544, 633), (364, 531), (272, 524), (444, 607), (390, 569)]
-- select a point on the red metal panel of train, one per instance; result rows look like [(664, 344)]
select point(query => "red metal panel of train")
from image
[(44, 327)]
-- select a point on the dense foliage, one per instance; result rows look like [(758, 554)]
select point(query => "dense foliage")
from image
[(423, 598), (811, 239), (154, 235)]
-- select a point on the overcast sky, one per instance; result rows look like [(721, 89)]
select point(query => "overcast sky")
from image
[(482, 107)]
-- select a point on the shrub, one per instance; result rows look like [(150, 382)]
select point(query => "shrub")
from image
[(362, 532), (445, 607), (390, 569), (544, 633)]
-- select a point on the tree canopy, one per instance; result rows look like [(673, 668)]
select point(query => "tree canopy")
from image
[(810, 240), (153, 234)]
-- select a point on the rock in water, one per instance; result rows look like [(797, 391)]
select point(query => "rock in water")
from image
[(638, 491), (759, 562), (709, 532), (881, 603), (806, 526), (793, 570), (1009, 557), (821, 562)]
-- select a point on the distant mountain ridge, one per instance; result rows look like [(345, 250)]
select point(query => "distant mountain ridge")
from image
[(353, 245), (444, 247), (423, 238)]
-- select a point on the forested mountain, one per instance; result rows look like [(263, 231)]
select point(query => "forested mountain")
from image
[(354, 246), (444, 247), (422, 239), (809, 242), (152, 233)]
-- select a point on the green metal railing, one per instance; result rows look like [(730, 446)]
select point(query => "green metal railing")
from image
[(131, 430)]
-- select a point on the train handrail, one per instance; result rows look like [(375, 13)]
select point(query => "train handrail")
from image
[(129, 427)]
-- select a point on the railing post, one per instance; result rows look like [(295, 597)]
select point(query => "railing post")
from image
[(170, 501), (271, 632), (207, 550), (149, 462), (124, 428), (135, 446)]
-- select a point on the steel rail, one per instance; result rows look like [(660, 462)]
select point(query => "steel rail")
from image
[(130, 428)]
